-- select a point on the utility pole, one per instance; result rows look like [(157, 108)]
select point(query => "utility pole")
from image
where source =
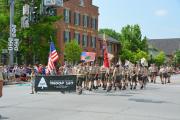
[(11, 39)]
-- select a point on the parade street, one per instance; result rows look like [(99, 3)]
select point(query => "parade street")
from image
[(156, 102)]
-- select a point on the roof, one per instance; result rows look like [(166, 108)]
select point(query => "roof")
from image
[(110, 39), (169, 46)]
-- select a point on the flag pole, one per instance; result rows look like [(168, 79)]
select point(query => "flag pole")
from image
[(50, 38)]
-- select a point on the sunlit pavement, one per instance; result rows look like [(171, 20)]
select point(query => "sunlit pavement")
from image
[(156, 102)]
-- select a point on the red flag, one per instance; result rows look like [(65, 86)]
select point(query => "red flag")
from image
[(106, 60)]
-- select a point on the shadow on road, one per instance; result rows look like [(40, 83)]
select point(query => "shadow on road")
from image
[(3, 118), (146, 100)]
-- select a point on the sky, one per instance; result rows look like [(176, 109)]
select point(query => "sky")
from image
[(158, 19)]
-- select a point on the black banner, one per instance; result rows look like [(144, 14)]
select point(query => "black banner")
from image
[(55, 83)]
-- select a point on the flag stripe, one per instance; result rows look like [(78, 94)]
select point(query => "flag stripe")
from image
[(53, 57)]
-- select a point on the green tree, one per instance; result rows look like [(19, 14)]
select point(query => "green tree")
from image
[(176, 59), (141, 54), (127, 55), (160, 58), (4, 30), (72, 52), (131, 39), (34, 41), (110, 32)]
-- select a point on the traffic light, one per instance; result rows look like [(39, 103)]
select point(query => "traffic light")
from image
[(35, 14)]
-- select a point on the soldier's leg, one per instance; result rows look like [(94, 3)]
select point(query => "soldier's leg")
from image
[(169, 77)]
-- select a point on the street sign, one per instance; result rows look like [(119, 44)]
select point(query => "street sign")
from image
[(16, 44), (13, 44), (49, 2), (13, 29), (10, 44), (24, 22), (58, 3), (26, 9), (4, 51)]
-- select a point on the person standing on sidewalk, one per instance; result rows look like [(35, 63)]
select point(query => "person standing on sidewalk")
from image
[(1, 80), (33, 81)]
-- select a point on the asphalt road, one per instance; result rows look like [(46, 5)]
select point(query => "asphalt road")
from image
[(156, 102)]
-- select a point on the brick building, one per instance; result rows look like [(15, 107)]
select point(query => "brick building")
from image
[(80, 22)]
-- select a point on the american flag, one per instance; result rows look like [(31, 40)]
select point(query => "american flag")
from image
[(53, 57), (88, 56), (53, 53)]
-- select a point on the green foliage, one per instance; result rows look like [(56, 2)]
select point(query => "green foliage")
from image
[(133, 45), (176, 58), (160, 58), (127, 55), (34, 41), (141, 54), (131, 40), (110, 32), (72, 51), (4, 30)]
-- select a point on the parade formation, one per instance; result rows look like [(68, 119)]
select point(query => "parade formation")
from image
[(91, 76)]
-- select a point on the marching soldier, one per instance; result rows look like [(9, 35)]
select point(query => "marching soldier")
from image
[(144, 77), (169, 70), (161, 74), (153, 72), (109, 75), (127, 77), (133, 77), (117, 77), (165, 74), (80, 78), (96, 76), (103, 77)]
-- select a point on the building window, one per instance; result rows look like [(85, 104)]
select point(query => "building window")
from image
[(110, 48), (84, 41), (81, 3), (101, 45), (85, 20), (67, 36), (77, 37), (94, 23), (77, 18), (93, 42), (115, 48), (67, 15)]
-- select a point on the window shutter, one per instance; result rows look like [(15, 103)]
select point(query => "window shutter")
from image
[(79, 39), (65, 15), (69, 16), (82, 40), (87, 21), (95, 23), (69, 36), (79, 19), (83, 21), (95, 42), (74, 18), (64, 37), (87, 41)]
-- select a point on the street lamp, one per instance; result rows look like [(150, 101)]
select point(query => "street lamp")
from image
[(11, 38)]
